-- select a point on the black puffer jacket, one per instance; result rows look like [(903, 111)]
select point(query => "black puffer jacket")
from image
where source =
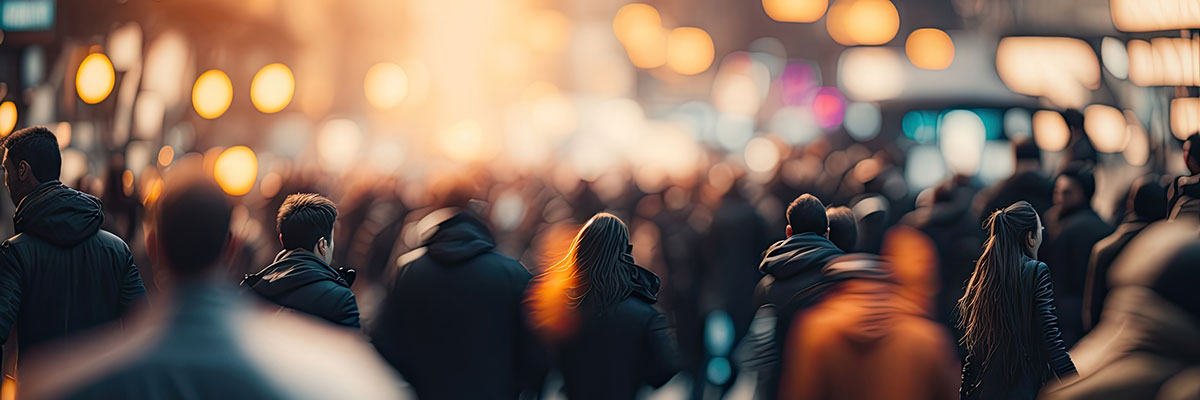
[(301, 281), (61, 273), (986, 379), (616, 351), (452, 322)]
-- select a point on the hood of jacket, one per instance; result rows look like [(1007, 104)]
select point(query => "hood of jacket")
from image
[(59, 215), (458, 239), (799, 253), (866, 298), (292, 269)]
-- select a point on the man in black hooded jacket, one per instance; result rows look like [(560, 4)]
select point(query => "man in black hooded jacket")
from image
[(452, 322), (60, 274), (301, 278)]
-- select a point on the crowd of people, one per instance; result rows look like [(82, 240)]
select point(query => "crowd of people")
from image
[(482, 285)]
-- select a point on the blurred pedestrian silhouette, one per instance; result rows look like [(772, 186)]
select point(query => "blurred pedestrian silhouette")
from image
[(1072, 229), (1184, 192), (1145, 346), (843, 228), (1147, 202), (205, 341), (301, 277), (595, 310), (1008, 318), (60, 274), (452, 320)]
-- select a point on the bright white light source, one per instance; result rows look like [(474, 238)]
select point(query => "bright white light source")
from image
[(733, 131), (339, 144), (761, 155), (1116, 60), (1018, 123), (796, 125), (961, 139), (1063, 70), (862, 121), (998, 157), (924, 167), (871, 73)]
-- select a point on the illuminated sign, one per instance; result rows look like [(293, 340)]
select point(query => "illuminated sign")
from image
[(26, 15)]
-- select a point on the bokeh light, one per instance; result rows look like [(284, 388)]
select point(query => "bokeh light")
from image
[(863, 121), (871, 73), (997, 161), (1050, 130), (924, 167), (796, 125), (1185, 117), (125, 46), (551, 113), (862, 22), (212, 94), (803, 11), (463, 141), (1137, 148), (829, 107), (340, 144), (689, 50), (639, 28), (1114, 57), (1063, 70), (272, 88), (385, 85), (236, 169), (1105, 126), (929, 48), (961, 137), (8, 117), (62, 132), (166, 155), (95, 78), (1018, 123), (762, 156)]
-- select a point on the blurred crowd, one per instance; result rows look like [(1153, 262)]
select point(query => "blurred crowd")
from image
[(430, 261)]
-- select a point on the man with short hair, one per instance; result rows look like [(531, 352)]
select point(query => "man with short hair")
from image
[(206, 342), (843, 228), (301, 277), (60, 274), (1073, 228), (1184, 193)]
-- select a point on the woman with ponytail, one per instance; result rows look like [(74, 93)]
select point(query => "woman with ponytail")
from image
[(595, 309), (1007, 315)]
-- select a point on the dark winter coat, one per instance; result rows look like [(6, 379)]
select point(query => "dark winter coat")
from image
[(617, 350), (1068, 249), (452, 322), (61, 273), (1184, 197), (985, 379), (1103, 254), (301, 281)]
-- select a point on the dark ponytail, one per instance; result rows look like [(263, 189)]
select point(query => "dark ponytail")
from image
[(994, 319)]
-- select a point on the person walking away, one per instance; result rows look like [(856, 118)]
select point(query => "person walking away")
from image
[(60, 274), (1008, 319), (452, 321), (873, 329), (1145, 346), (205, 341), (1073, 231), (843, 228), (595, 309), (1148, 204), (301, 278)]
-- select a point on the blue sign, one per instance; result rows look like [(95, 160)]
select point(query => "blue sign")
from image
[(26, 15)]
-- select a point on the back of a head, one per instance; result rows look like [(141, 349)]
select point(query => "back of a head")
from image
[(991, 318), (305, 218), (1025, 149), (843, 228), (1149, 199), (38, 147), (1192, 156), (597, 250), (1081, 174), (806, 214), (192, 222)]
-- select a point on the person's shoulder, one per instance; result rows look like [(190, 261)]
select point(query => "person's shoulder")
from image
[(111, 240)]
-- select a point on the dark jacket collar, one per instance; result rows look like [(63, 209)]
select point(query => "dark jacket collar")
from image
[(59, 214), (801, 252), (292, 269), (459, 238)]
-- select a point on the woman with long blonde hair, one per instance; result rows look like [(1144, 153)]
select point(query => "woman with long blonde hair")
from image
[(1007, 314), (595, 309)]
